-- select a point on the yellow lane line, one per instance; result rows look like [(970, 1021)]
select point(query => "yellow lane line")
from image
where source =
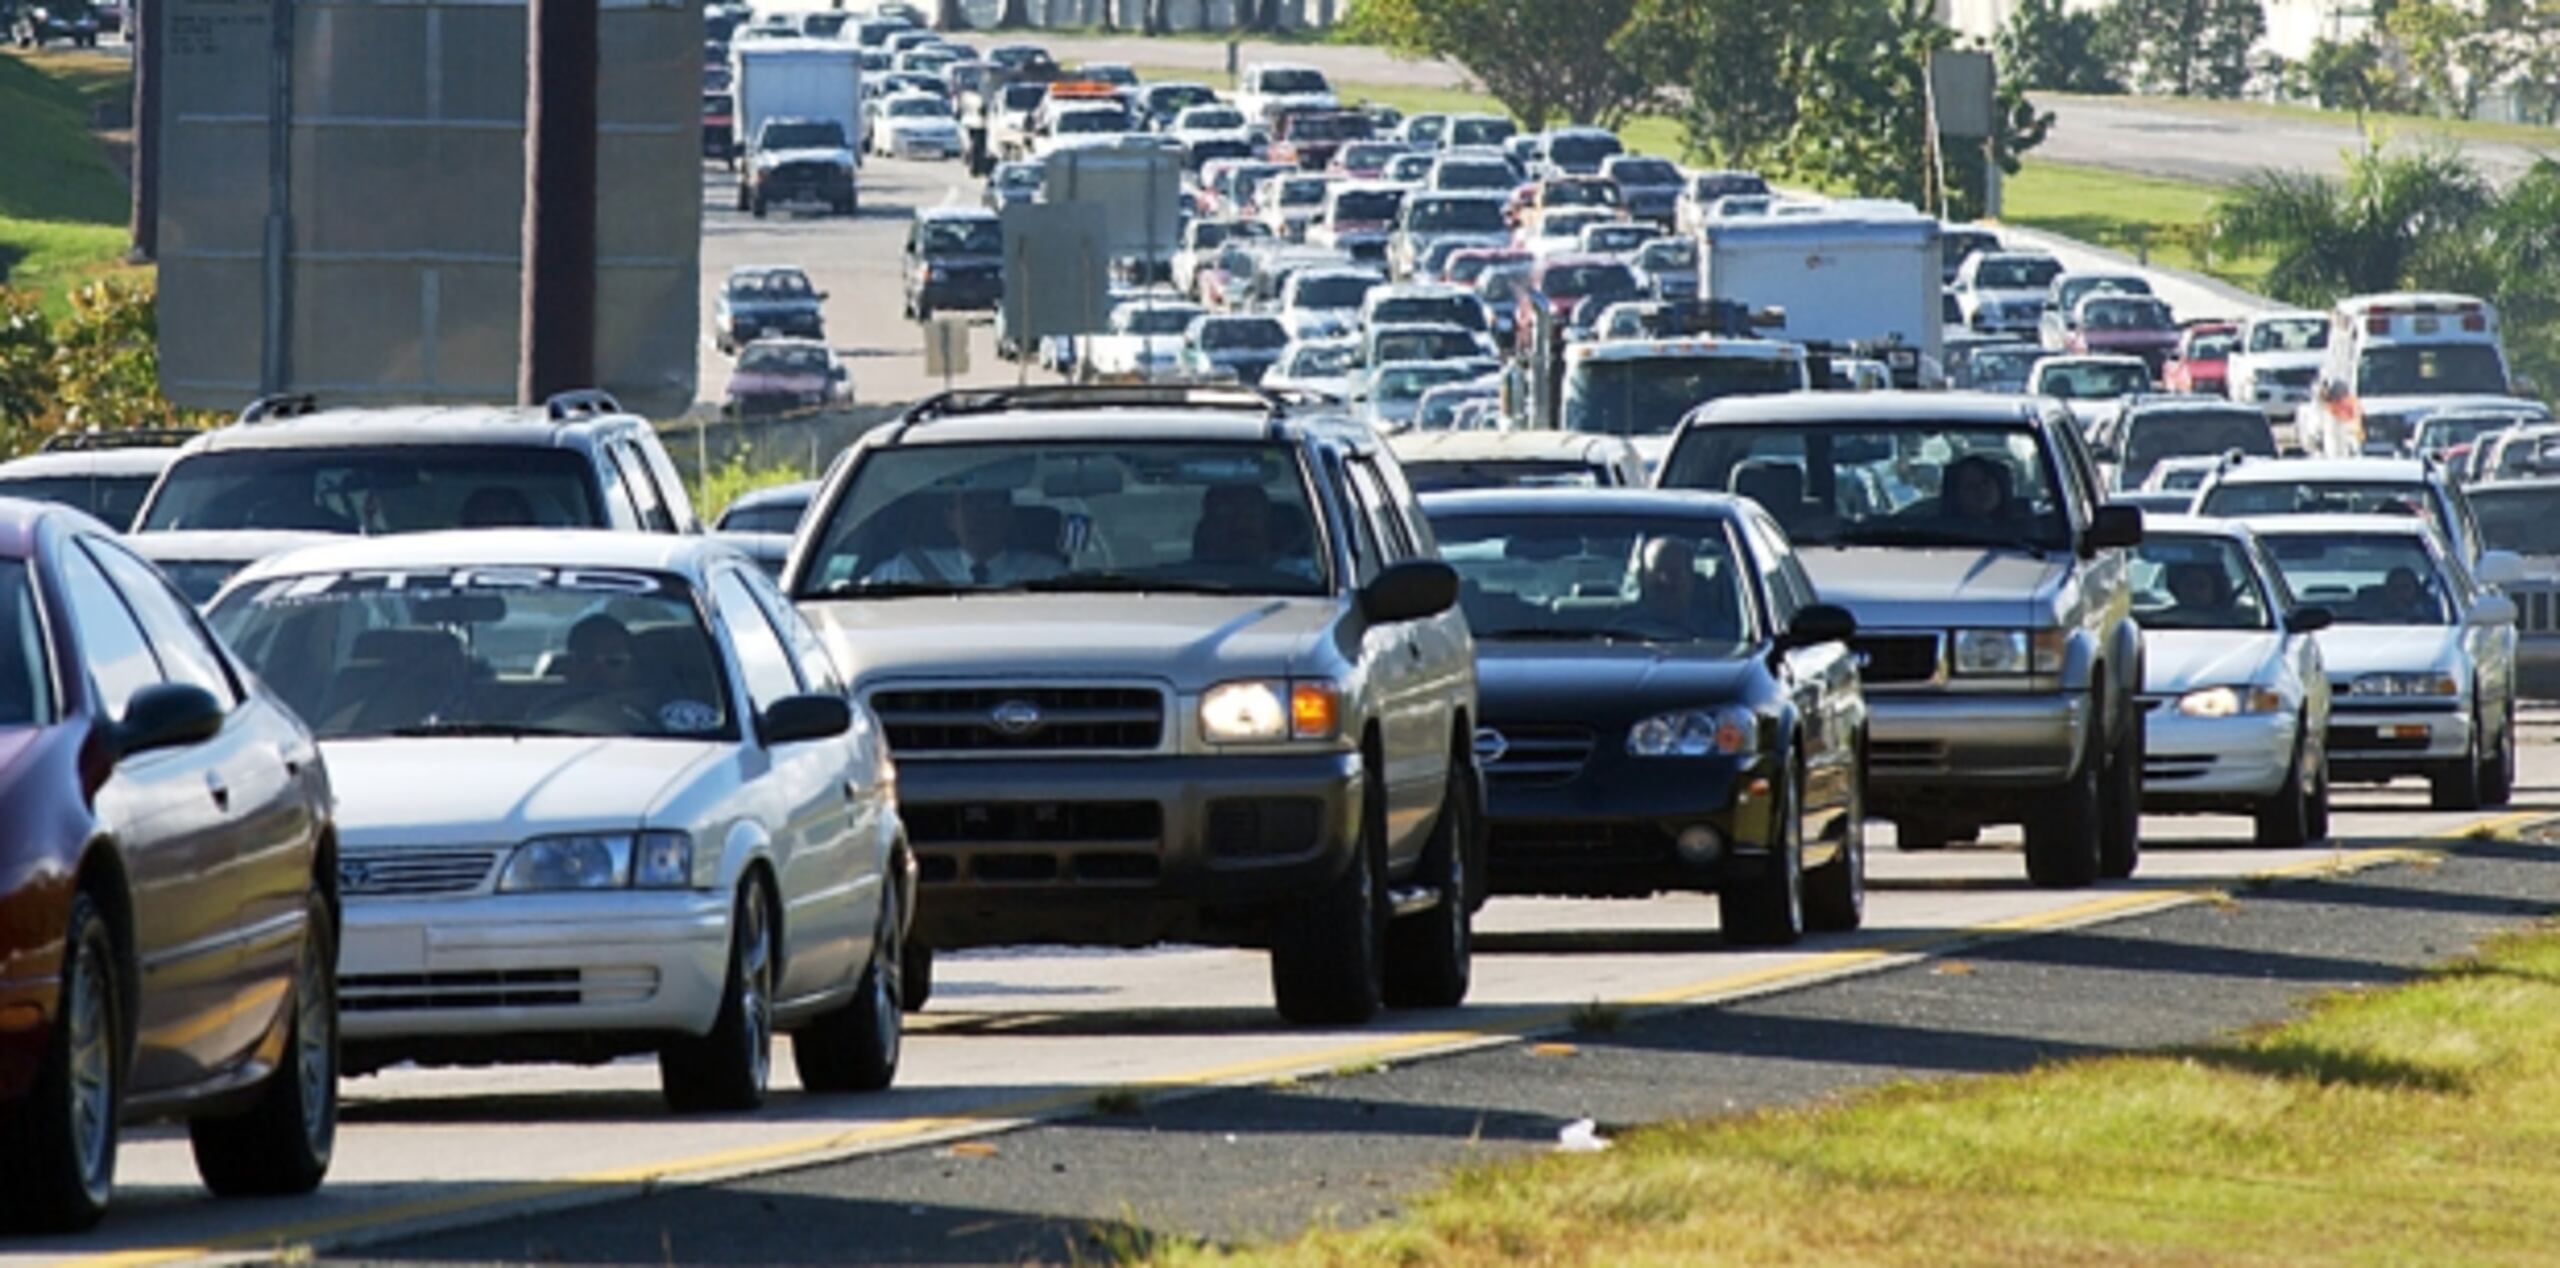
[(428, 1214)]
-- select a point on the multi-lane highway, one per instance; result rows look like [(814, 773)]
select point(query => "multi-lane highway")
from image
[(1012, 1038)]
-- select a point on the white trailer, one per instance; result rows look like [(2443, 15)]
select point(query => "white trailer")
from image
[(1861, 271), (812, 87)]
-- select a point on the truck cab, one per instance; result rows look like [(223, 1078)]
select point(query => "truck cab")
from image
[(2394, 357)]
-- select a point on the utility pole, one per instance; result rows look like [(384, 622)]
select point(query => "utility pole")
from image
[(557, 326), (142, 31)]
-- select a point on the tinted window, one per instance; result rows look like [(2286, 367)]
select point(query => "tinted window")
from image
[(1559, 579), (644, 490), (169, 622), (763, 517), (2367, 579), (1435, 475), (26, 679), (2196, 583), (1455, 215), (2171, 433), (115, 500), (1888, 484), (112, 647), (2409, 370), (376, 488), (2524, 520), (1649, 396), (2015, 274)]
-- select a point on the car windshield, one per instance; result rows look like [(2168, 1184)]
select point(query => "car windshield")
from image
[(2429, 369), (2436, 435), (2212, 347), (2092, 380), (2525, 520), (1369, 156), (1212, 118), (1339, 290), (1329, 127), (783, 359), (115, 499), (2080, 288), (1581, 150), (2364, 578), (1448, 175), (26, 678), (1465, 267), (803, 136), (462, 651), (1455, 215), (1615, 238), (1439, 408), (2315, 497), (2196, 583), (1323, 360), (918, 108), (1421, 345), (1644, 171), (1024, 96), (2172, 433), (1366, 205), (764, 517), (1894, 484), (1242, 332), (1294, 81), (1301, 192), (1405, 384), (1602, 282), (1093, 121), (1019, 176), (1540, 578), (1669, 253), (1710, 186), (1214, 518), (1481, 131), (1435, 475), (1456, 310), (2124, 312), (1153, 319), (962, 237), (1648, 396), (770, 286), (2016, 274), (2290, 334), (1579, 194), (2003, 368), (378, 489)]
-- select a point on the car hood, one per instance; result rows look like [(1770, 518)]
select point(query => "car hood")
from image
[(2177, 661), (1193, 640), (2280, 360), (2145, 339), (772, 158), (771, 307), (1604, 682), (759, 381), (2349, 650), (1888, 587), (499, 791)]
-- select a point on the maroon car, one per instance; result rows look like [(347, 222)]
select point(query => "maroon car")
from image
[(1573, 288), (168, 902), (1309, 138), (2125, 325)]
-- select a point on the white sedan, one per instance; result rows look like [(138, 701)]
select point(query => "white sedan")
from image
[(915, 125), (600, 794), (2234, 694)]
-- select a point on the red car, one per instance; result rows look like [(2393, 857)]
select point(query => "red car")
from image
[(2115, 323), (1574, 287), (1531, 200), (1309, 138), (168, 895), (2203, 363)]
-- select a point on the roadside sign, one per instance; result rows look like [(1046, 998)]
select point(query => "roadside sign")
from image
[(946, 347), (1963, 88), (1057, 271), (1138, 191), (342, 207)]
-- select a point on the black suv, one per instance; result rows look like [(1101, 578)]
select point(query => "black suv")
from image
[(954, 259), (1164, 664)]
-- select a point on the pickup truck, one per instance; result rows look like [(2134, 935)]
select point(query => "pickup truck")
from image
[(799, 161), (1309, 138)]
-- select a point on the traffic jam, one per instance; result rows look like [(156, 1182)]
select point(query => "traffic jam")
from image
[(1451, 513)]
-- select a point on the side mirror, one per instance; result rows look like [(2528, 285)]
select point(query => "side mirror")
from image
[(837, 373), (796, 718), (2309, 620), (2113, 528), (1410, 591), (1817, 624), (820, 296), (168, 715), (2491, 609), (2500, 568)]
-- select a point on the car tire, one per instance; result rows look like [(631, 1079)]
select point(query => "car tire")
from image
[(2457, 785), (2498, 774), (1835, 894), (728, 1069), (58, 1144), (1769, 910), (2315, 814), (2283, 821), (745, 199), (756, 207), (1921, 835), (2063, 829), (1328, 961), (281, 1145), (916, 968), (2120, 806), (1429, 953), (855, 1048)]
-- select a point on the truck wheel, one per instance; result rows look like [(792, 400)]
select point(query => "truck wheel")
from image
[(281, 1145), (2284, 820), (756, 207), (1429, 952), (855, 1048), (728, 1068), (58, 1145), (2457, 785), (1768, 910), (1835, 894), (2062, 832), (1921, 834), (1328, 961), (745, 198), (2120, 807), (846, 206)]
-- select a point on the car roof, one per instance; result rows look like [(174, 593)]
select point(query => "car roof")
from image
[(530, 426), (1147, 415), (2406, 470), (796, 491), (135, 460), (1849, 408), (687, 554), (2196, 526), (2177, 404), (1574, 503), (2339, 525), (956, 212), (759, 270), (2521, 484), (1505, 446), (2091, 358)]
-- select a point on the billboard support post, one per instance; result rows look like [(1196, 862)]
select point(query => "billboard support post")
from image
[(558, 329)]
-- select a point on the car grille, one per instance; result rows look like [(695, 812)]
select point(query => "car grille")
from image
[(2537, 611), (1886, 659), (1533, 756), (514, 988), (1036, 842), (1582, 844), (804, 174), (2348, 741), (1009, 721), (414, 873)]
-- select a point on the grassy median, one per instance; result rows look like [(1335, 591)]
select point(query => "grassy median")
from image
[(63, 204), (2411, 1125)]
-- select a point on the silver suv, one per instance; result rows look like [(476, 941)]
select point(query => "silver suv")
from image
[(1968, 535), (1163, 664)]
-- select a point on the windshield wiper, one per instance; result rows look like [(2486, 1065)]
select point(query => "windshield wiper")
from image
[(514, 730), (1912, 535), (884, 589), (1124, 583)]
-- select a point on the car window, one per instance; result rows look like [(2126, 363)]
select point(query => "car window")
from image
[(112, 646), (377, 489), (644, 489), (808, 652), (1886, 483), (1379, 510), (1555, 578), (185, 652), (2367, 578), (2196, 583), (762, 660), (1366, 557), (1781, 582)]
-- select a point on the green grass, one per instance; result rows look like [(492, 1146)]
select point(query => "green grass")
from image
[(2533, 136), (63, 206), (2414, 1125), (2135, 214), (714, 491)]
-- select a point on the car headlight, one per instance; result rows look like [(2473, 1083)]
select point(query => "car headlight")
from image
[(593, 861), (2229, 702), (1992, 653), (1269, 710), (2426, 684), (1732, 731)]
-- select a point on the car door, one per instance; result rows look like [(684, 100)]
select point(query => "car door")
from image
[(255, 771), (795, 793), (170, 829), (1415, 729), (870, 804), (1821, 680)]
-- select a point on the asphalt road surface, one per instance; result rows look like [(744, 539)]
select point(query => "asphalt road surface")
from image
[(1037, 1037)]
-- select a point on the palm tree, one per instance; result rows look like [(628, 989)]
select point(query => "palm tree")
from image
[(2396, 220)]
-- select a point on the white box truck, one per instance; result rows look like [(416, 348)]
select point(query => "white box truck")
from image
[(799, 111), (1856, 272)]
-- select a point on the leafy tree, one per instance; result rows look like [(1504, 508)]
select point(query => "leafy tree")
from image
[(1731, 64), (2187, 48), (2048, 45), (1541, 58), (2398, 220), (2351, 75), (1864, 119)]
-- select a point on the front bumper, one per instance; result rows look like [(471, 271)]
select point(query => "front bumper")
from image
[(1125, 851), (2378, 743), (502, 965), (908, 146), (782, 189), (2214, 763), (964, 290), (1986, 755), (1610, 829)]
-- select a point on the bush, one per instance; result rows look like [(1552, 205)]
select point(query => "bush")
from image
[(96, 367)]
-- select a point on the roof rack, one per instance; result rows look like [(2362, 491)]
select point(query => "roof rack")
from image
[(123, 438), (279, 405), (585, 402), (966, 403)]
